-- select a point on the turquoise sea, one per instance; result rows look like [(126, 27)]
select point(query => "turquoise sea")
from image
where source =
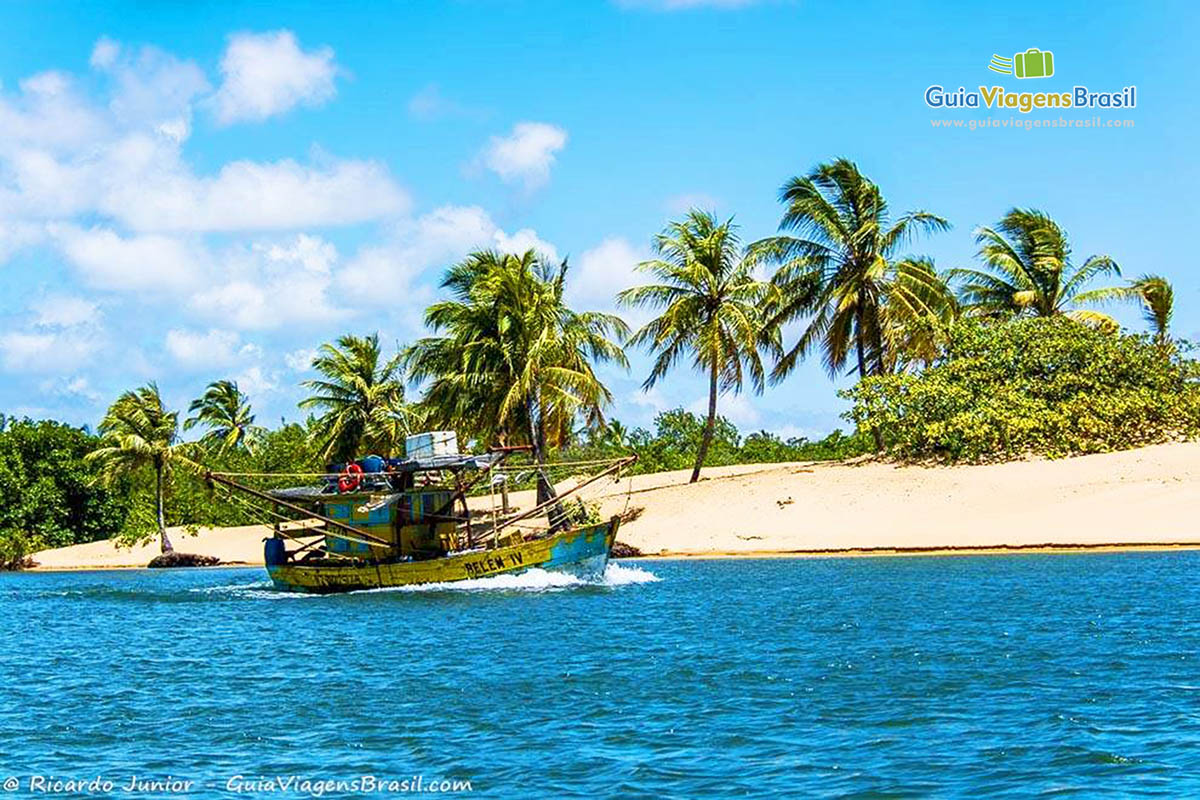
[(889, 677)]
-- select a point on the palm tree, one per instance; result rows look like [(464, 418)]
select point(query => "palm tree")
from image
[(918, 310), (1028, 272), (1158, 303), (136, 433), (615, 434), (839, 272), (712, 308), (512, 362), (1153, 293), (225, 411), (362, 397)]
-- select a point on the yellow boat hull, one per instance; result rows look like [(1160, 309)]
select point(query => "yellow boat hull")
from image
[(583, 549)]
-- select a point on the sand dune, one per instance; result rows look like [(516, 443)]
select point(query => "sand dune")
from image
[(1149, 496)]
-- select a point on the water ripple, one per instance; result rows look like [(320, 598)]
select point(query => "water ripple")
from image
[(1006, 676)]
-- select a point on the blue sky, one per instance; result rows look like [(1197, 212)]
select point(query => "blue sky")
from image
[(197, 191)]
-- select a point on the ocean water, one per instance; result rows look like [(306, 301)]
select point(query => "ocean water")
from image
[(955, 676)]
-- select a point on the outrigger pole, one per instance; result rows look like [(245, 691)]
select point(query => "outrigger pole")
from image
[(624, 462), (370, 538)]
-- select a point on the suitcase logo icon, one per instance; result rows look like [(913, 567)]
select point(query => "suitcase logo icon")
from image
[(1033, 63)]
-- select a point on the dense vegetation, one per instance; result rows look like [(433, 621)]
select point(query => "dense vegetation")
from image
[(48, 494), (51, 494), (1003, 359), (1048, 386)]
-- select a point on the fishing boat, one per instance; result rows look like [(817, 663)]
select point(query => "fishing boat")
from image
[(378, 522)]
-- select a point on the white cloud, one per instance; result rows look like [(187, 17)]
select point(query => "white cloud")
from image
[(46, 351), (448, 232), (65, 312), (793, 431), (64, 156), (66, 332), (249, 195), (212, 348), (255, 382), (737, 408), (382, 275), (430, 104), (651, 399), (76, 386), (265, 284), (152, 90), (598, 274), (47, 84), (385, 273), (16, 236), (525, 155), (310, 253), (176, 129), (271, 284), (49, 113), (104, 53), (522, 240), (96, 172), (267, 73), (300, 360), (216, 348), (147, 262)]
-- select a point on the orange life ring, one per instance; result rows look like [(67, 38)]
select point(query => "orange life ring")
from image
[(351, 478)]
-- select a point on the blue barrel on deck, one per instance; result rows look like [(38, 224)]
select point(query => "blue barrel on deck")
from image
[(274, 552), (373, 464)]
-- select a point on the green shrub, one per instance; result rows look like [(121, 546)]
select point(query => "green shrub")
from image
[(191, 502), (47, 498), (1048, 386), (676, 435)]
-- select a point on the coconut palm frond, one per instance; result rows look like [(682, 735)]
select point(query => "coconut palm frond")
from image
[(510, 359), (226, 413), (1027, 270), (712, 308), (837, 269), (361, 397)]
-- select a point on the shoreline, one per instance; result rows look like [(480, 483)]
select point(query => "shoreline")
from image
[(915, 552), (743, 555), (1142, 499)]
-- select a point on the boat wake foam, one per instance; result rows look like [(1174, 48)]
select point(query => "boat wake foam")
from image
[(621, 575), (259, 590), (535, 580)]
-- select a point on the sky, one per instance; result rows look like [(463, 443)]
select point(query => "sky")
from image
[(198, 191)]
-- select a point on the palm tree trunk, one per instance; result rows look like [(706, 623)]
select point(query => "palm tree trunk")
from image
[(862, 372), (709, 424), (537, 437), (556, 514), (862, 356), (163, 542)]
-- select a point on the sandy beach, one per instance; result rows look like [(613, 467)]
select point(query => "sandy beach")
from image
[(1145, 498)]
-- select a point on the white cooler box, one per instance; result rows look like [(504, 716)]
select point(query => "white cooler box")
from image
[(433, 443)]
